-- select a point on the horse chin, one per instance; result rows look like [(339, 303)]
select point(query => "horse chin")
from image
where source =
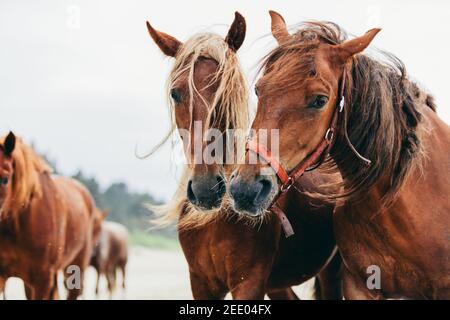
[(257, 212), (206, 210), (252, 215)]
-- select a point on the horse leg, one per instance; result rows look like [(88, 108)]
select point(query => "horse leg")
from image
[(29, 291), (356, 289), (282, 294), (201, 290), (110, 277), (97, 283), (123, 269), (328, 283), (114, 277), (74, 293), (40, 288), (54, 294), (250, 289), (2, 287), (82, 261)]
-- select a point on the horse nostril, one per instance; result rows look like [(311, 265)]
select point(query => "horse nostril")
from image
[(265, 188), (206, 192), (190, 193)]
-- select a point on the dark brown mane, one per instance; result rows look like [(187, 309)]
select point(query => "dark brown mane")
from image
[(381, 110)]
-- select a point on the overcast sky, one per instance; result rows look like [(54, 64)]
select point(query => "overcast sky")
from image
[(85, 83)]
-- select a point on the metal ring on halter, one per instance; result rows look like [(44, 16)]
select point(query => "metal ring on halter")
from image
[(341, 104), (329, 134), (286, 186)]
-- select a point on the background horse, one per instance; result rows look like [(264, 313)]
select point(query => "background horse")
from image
[(224, 253), (45, 221), (387, 142), (110, 254), (2, 288)]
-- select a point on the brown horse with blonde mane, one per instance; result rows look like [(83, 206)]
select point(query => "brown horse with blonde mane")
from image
[(45, 221), (225, 251), (381, 132)]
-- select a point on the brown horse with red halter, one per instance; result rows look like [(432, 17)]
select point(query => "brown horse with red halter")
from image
[(226, 253), (367, 120), (45, 222)]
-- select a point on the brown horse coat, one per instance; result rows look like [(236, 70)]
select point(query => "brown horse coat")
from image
[(110, 253), (228, 255), (51, 230), (409, 240), (391, 148), (224, 254)]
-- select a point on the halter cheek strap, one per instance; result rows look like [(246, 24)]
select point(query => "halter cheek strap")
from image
[(311, 162)]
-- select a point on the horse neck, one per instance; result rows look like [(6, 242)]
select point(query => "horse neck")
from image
[(382, 121)]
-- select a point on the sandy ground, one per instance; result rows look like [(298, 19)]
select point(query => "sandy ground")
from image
[(152, 274)]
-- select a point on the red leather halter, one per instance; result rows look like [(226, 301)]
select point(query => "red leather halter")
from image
[(311, 162)]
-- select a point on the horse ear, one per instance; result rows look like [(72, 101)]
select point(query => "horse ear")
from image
[(236, 34), (168, 44), (346, 50), (279, 28), (10, 143)]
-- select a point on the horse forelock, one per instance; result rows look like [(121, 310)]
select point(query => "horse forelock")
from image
[(229, 108), (28, 166)]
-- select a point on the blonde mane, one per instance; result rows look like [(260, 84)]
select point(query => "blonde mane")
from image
[(230, 104), (229, 109), (25, 181)]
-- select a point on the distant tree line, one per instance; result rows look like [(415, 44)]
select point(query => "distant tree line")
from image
[(125, 206)]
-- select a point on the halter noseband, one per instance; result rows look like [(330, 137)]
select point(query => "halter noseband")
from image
[(311, 162)]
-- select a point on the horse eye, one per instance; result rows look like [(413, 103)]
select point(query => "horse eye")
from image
[(256, 91), (176, 95), (318, 102)]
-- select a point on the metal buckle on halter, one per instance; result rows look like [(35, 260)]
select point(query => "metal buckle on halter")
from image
[(329, 134), (286, 186), (341, 104)]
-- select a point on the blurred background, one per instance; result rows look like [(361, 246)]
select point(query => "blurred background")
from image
[(82, 81)]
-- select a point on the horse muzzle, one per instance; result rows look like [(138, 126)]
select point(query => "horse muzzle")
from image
[(251, 196), (206, 192)]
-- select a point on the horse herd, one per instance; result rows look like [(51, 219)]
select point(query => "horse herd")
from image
[(352, 190), (50, 223)]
